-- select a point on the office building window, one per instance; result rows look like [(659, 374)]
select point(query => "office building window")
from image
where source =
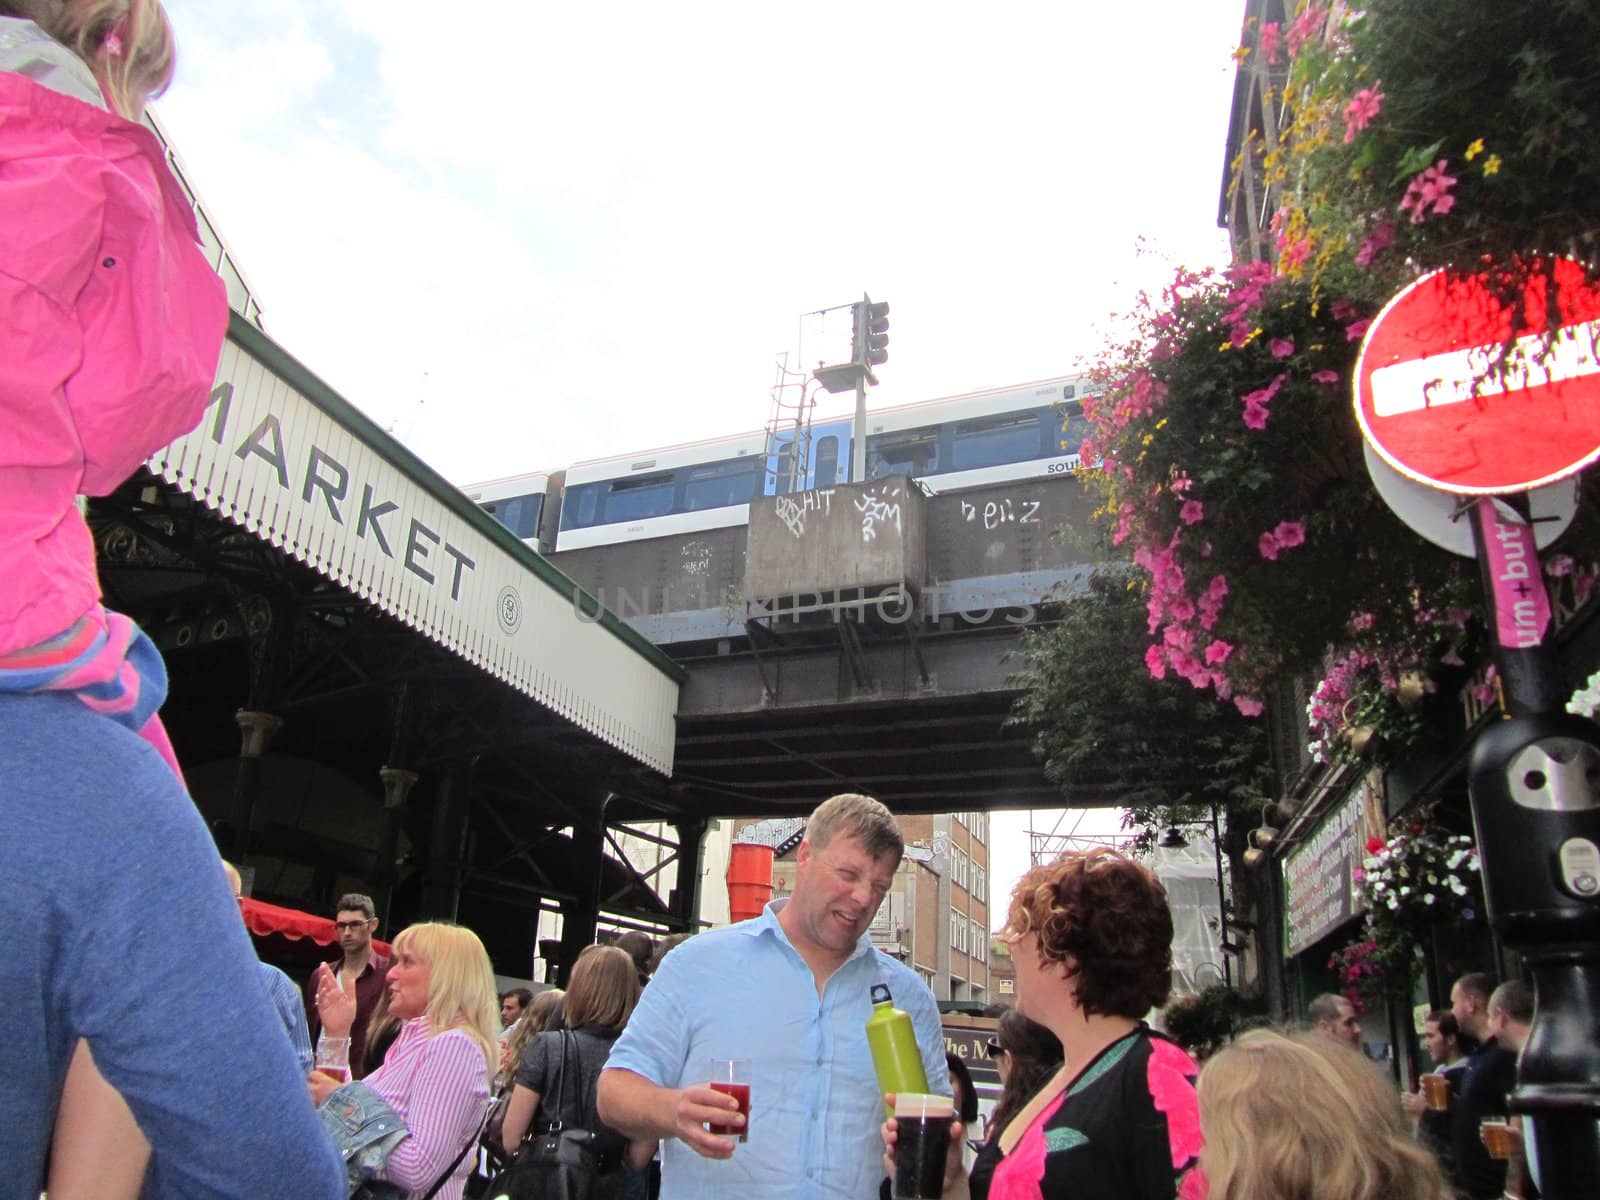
[(980, 943)]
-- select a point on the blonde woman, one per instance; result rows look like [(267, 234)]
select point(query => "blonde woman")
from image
[(436, 1075), (1303, 1118), (558, 1072)]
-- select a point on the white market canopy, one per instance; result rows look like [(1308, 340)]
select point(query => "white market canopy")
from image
[(281, 454)]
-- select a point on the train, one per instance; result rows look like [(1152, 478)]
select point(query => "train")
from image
[(946, 444)]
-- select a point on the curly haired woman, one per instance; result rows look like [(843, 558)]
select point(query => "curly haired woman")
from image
[(1091, 935)]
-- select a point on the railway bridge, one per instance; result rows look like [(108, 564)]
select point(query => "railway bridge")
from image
[(853, 638)]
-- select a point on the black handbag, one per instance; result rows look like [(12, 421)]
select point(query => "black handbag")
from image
[(556, 1163)]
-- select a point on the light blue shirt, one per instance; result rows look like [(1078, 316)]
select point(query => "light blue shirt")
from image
[(744, 992), (286, 999)]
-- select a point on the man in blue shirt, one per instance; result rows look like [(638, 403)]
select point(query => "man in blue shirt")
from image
[(285, 996), (790, 992), (121, 933)]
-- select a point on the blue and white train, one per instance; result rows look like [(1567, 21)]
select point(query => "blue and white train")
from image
[(949, 443)]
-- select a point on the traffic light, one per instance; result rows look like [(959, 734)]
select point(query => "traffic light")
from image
[(872, 332)]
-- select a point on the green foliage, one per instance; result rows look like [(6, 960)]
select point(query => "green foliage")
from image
[(1111, 735), (1208, 1020)]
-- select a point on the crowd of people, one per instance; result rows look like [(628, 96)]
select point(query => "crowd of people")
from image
[(175, 1063)]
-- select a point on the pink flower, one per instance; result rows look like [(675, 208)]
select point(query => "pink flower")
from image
[(1281, 347), (1325, 376), (1290, 534), (1359, 112), (1155, 662), (1377, 242), (1306, 26), (1429, 189), (1286, 536), (1270, 41), (1191, 512), (1249, 706), (1357, 330), (1217, 652), (1255, 403)]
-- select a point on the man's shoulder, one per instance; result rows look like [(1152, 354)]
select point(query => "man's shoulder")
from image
[(276, 977)]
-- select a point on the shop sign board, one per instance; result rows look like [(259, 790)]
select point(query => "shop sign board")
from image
[(1319, 880), (1463, 388)]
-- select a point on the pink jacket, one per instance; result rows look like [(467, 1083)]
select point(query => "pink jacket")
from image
[(111, 324)]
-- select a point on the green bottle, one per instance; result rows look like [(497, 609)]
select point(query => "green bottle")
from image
[(893, 1043)]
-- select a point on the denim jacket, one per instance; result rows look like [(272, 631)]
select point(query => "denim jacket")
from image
[(365, 1129)]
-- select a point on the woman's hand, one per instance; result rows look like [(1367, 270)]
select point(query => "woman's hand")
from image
[(321, 1086), (336, 1007)]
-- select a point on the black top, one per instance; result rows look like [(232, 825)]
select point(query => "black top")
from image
[(1490, 1074), (540, 1071)]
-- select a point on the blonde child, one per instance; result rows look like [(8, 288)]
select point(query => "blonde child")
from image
[(125, 956)]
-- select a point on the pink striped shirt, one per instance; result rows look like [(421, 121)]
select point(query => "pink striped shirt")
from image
[(440, 1087)]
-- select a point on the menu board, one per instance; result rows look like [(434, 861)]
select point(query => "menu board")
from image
[(1319, 883)]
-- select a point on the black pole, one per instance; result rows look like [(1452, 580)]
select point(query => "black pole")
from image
[(1222, 900), (1535, 787)]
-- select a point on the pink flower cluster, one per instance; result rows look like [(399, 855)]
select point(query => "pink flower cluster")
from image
[(1358, 114), (1375, 244), (1429, 191), (1286, 535), (1255, 403), (1270, 42), (1249, 282), (1307, 26)]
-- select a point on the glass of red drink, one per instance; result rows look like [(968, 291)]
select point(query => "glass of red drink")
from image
[(731, 1077)]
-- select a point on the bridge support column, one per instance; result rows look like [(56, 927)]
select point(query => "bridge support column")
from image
[(581, 915), (255, 734), (691, 853), (441, 888)]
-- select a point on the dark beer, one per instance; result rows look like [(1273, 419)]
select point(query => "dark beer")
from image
[(922, 1145)]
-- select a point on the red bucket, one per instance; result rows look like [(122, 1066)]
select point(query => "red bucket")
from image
[(749, 880)]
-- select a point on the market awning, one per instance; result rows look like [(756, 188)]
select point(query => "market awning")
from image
[(264, 920), (281, 454)]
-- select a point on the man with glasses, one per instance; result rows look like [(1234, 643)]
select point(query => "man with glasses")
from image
[(360, 968)]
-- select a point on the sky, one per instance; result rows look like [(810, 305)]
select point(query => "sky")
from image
[(1011, 844), (558, 232)]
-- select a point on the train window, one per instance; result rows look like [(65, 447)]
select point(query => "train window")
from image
[(719, 485), (826, 458), (914, 452), (635, 499), (995, 440), (520, 514), (579, 504), (1069, 391)]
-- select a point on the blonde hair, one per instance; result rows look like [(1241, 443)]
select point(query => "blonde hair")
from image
[(134, 75), (534, 1022), (1289, 1117), (461, 993), (603, 989)]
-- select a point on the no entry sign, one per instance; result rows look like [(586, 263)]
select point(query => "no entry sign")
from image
[(1459, 390)]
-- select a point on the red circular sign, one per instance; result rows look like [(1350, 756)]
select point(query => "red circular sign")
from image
[(1461, 391)]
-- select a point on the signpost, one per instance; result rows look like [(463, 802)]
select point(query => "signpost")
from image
[(1485, 390)]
